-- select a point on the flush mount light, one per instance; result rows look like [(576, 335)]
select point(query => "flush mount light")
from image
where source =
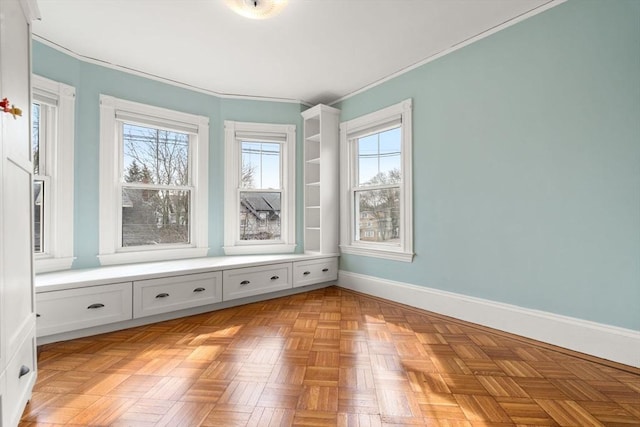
[(257, 9)]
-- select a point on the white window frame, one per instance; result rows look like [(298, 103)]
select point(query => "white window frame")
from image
[(58, 173), (111, 161), (349, 132), (235, 132)]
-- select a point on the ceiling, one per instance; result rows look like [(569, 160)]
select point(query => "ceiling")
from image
[(313, 51)]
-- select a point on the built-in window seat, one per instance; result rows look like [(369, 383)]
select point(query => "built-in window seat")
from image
[(76, 303)]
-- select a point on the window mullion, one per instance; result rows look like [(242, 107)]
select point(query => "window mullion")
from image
[(144, 186)]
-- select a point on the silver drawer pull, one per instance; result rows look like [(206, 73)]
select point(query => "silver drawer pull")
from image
[(37, 315), (245, 282), (324, 270), (23, 371), (274, 277), (306, 273), (94, 306), (199, 290), (162, 295)]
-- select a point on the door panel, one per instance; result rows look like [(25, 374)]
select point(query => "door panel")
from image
[(17, 319)]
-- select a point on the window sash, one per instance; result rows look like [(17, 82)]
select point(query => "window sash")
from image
[(281, 155), (190, 155), (163, 125), (46, 139), (356, 213), (43, 215), (151, 225), (239, 240)]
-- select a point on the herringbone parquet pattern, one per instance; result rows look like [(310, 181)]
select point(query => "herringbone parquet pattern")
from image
[(324, 358)]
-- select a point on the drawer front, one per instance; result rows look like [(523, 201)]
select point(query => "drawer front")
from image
[(155, 296), (246, 282), (314, 271), (20, 377), (72, 309)]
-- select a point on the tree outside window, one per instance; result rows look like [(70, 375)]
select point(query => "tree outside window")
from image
[(156, 191), (377, 196)]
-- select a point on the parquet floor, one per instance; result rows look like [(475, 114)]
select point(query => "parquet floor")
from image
[(324, 358)]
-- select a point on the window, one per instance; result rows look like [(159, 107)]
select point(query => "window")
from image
[(376, 212), (153, 183), (259, 188), (52, 143)]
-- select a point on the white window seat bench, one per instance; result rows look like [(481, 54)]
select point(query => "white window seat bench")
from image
[(77, 303)]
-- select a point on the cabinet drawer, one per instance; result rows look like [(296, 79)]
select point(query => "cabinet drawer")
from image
[(314, 271), (245, 282), (167, 294), (20, 376), (72, 309)]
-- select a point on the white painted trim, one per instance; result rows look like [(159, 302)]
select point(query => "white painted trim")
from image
[(608, 342), (48, 264), (232, 183), (160, 79), (263, 249), (470, 40), (377, 253), (59, 158), (109, 188), (404, 252), (31, 10), (151, 255)]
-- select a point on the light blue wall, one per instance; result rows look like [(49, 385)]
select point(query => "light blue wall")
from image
[(526, 160), (92, 80), (526, 165)]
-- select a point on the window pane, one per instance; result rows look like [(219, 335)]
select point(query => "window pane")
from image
[(260, 165), (378, 216), (38, 216), (35, 137), (155, 156), (379, 158), (154, 217), (260, 215)]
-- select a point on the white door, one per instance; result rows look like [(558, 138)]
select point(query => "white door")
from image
[(17, 318)]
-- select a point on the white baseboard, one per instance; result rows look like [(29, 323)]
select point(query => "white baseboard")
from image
[(596, 339)]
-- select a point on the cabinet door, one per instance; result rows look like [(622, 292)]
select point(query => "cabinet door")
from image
[(20, 378), (17, 319)]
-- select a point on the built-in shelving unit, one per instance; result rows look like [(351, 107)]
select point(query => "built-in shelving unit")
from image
[(321, 179)]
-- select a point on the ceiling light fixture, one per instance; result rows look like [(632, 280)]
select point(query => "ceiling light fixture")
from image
[(256, 9)]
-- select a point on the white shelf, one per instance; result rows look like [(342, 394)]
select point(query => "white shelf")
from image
[(321, 154), (313, 138)]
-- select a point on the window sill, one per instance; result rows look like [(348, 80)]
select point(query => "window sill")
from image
[(259, 249), (152, 255), (49, 264), (377, 253)]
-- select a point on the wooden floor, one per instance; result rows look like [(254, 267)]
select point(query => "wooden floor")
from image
[(324, 358)]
